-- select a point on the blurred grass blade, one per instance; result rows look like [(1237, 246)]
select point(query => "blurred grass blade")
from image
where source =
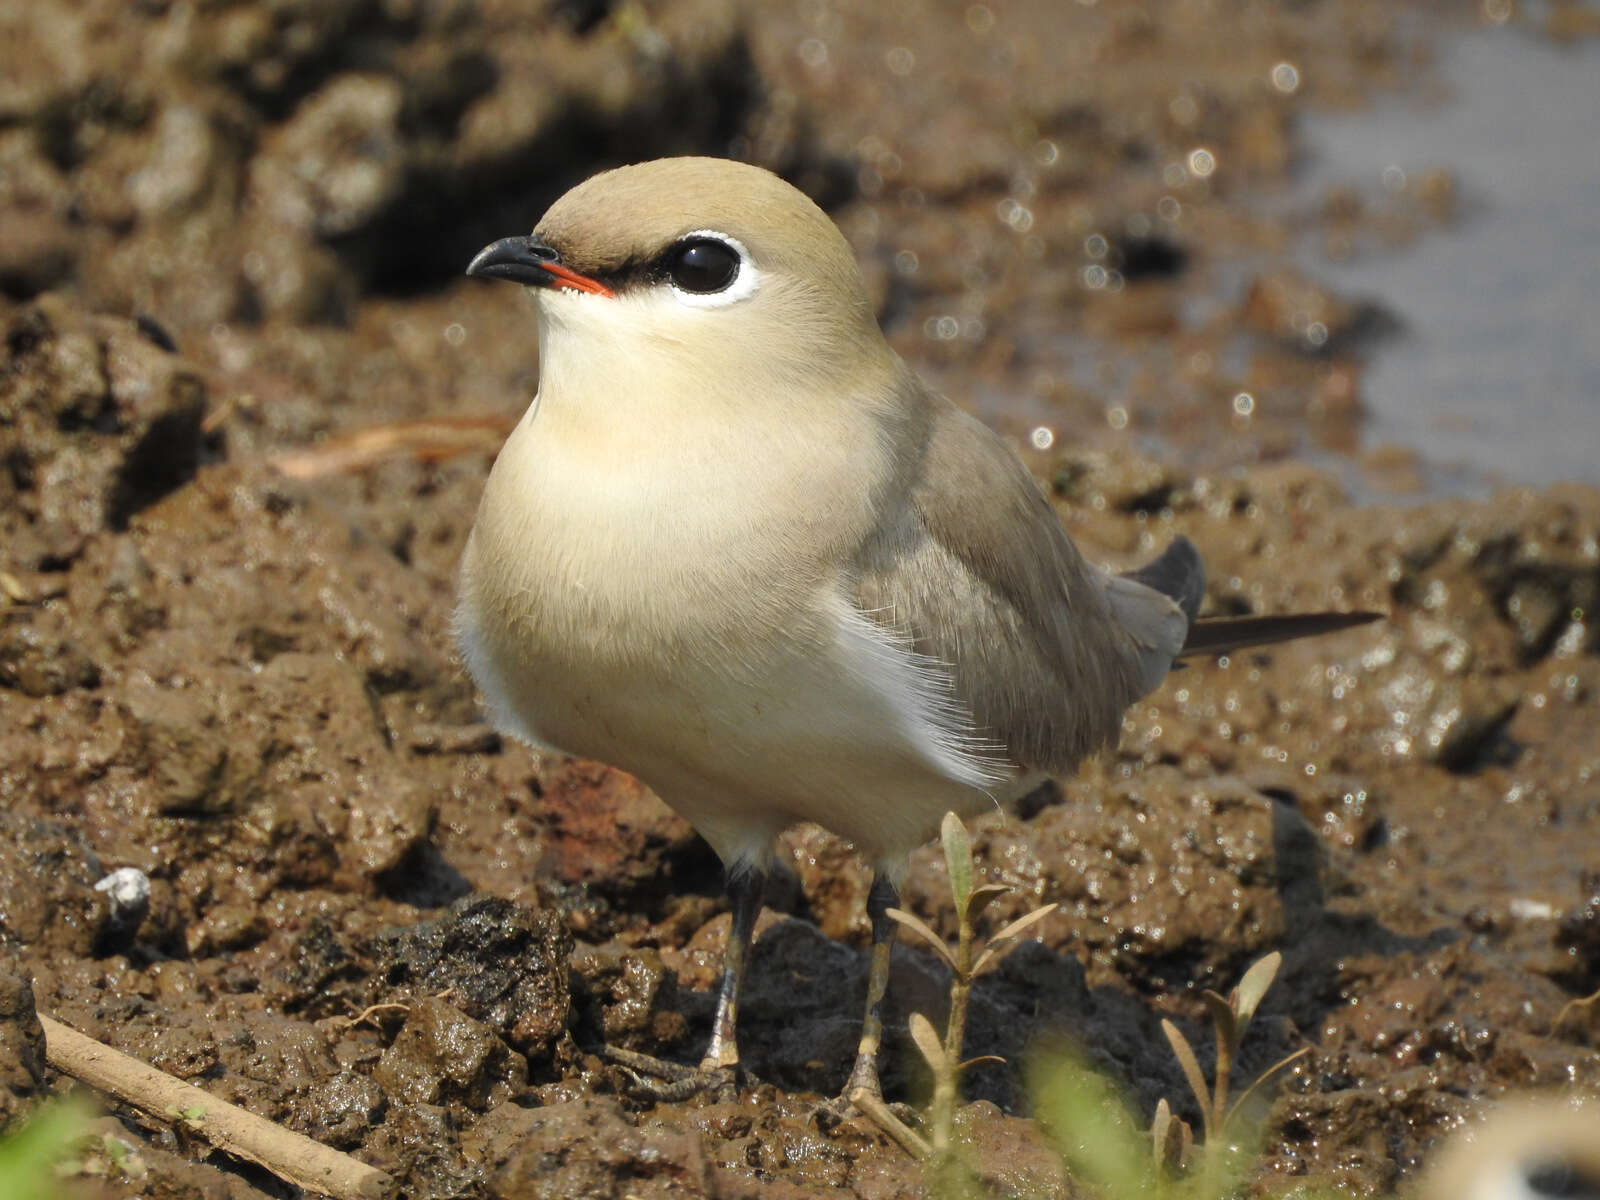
[(28, 1155), (1092, 1128)]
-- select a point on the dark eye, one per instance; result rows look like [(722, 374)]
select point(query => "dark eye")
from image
[(703, 265)]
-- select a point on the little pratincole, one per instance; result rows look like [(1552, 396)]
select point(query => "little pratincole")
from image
[(738, 549)]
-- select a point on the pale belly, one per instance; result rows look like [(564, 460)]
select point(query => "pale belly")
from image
[(825, 721)]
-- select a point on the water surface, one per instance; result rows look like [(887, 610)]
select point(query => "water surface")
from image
[(1496, 377)]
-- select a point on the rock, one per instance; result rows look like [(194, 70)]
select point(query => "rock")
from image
[(1577, 938), (127, 892), (1012, 1156), (833, 880), (38, 658), (292, 752), (181, 167), (37, 253)]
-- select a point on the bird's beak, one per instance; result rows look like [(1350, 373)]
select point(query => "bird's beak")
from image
[(528, 260)]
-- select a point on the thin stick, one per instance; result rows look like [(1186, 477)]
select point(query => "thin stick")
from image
[(433, 439), (288, 1155), (883, 1117), (1575, 1006)]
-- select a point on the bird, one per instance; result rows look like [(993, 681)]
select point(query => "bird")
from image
[(737, 548), (1530, 1147)]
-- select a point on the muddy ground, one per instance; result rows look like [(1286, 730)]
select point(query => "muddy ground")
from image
[(230, 246)]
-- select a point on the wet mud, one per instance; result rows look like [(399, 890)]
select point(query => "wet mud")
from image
[(230, 252)]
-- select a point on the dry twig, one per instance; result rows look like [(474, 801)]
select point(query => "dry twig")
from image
[(430, 440), (288, 1155), (881, 1115)]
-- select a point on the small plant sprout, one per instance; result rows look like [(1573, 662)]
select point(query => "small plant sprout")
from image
[(1230, 1017), (966, 962), (1100, 1142)]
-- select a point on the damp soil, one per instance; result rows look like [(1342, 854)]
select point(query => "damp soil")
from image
[(246, 408)]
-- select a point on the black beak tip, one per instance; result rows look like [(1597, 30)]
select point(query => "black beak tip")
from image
[(521, 259)]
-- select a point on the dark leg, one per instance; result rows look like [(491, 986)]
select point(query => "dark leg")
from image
[(745, 890), (655, 1079), (880, 900)]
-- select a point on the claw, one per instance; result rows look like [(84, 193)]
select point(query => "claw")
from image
[(668, 1082)]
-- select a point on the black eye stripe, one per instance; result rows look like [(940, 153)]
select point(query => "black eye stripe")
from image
[(702, 265)]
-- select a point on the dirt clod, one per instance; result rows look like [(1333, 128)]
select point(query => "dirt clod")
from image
[(442, 1054), (503, 964), (22, 1061)]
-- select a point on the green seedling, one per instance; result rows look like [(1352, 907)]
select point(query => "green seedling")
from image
[(1100, 1142), (1230, 1018), (967, 960), (1105, 1151)]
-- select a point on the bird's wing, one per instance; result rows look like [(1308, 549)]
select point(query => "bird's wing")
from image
[(969, 563)]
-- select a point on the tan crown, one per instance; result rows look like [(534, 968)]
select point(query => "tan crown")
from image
[(631, 214)]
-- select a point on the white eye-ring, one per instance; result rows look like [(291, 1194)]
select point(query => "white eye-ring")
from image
[(708, 269)]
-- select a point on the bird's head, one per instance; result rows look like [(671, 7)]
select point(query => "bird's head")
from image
[(705, 266)]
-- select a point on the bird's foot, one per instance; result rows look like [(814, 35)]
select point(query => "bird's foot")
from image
[(656, 1079), (865, 1100)]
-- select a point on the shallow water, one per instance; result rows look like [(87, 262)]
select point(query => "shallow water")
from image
[(1496, 375)]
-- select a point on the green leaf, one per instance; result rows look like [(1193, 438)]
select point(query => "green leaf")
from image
[(927, 1042), (958, 857), (983, 896), (1007, 937), (1158, 1132), (1227, 1024), (1254, 986), (916, 925), (1024, 923), (1191, 1070), (1238, 1105)]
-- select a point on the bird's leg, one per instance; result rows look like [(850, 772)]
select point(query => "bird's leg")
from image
[(656, 1079), (745, 889), (864, 1076)]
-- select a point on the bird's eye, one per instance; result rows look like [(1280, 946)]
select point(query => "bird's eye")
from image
[(703, 266)]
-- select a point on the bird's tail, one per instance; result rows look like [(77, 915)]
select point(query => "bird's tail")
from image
[(1223, 635), (1180, 575)]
